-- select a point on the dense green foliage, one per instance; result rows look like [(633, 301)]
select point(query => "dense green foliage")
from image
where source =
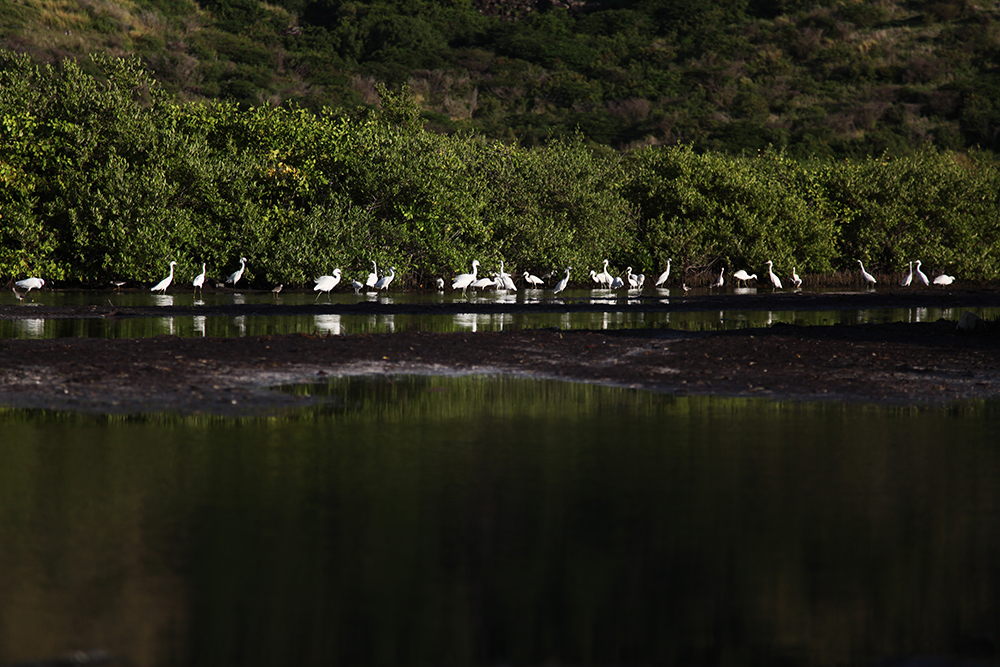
[(827, 78), (104, 176)]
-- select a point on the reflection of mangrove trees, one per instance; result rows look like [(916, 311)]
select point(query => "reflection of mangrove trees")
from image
[(472, 521), (108, 178)]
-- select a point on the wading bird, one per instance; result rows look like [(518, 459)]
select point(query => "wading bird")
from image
[(909, 277), (868, 278), (20, 297), (722, 279), (504, 280), (921, 275), (357, 286), (561, 285), (775, 280), (235, 276), (383, 282), (483, 283), (743, 276), (944, 280), (663, 276), (327, 283), (199, 280), (165, 283), (795, 279), (462, 281), (536, 282), (30, 283), (373, 276), (440, 283), (605, 277), (275, 291), (633, 280)]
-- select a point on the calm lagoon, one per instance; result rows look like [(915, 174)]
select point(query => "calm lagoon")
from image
[(487, 520)]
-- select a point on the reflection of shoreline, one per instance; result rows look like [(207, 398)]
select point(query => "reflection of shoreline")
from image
[(230, 537)]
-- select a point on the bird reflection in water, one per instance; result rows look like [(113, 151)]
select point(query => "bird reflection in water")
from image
[(327, 324)]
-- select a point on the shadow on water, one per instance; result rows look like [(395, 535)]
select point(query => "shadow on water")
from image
[(480, 520)]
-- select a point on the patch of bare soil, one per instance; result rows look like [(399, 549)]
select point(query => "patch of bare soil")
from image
[(907, 364)]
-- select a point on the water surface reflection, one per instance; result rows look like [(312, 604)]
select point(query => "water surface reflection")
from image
[(491, 520), (336, 324)]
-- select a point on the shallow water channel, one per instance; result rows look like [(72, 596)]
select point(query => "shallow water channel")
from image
[(619, 311), (482, 520)]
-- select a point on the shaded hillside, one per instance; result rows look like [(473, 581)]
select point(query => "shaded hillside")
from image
[(825, 78)]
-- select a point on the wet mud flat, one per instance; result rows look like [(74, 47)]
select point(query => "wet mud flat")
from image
[(906, 364)]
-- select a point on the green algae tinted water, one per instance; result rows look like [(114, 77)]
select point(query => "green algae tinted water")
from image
[(499, 521)]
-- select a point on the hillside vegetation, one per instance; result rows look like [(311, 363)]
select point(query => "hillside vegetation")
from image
[(107, 176), (818, 78)]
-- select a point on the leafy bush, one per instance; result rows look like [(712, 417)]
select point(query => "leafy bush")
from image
[(105, 177)]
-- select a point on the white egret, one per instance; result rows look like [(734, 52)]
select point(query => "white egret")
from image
[(775, 280), (165, 283), (326, 283), (462, 281), (795, 279), (235, 276), (30, 283), (633, 281), (617, 283), (483, 283), (199, 281), (383, 282), (440, 283), (641, 279), (595, 277), (869, 278), (561, 285), (373, 276), (743, 276), (921, 275), (357, 286), (663, 276), (506, 282), (605, 277), (536, 282), (722, 279), (944, 280), (909, 277)]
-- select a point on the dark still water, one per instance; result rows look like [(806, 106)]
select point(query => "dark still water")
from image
[(497, 521)]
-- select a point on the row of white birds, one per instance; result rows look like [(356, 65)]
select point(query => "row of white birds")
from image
[(637, 281), (503, 280), (868, 278)]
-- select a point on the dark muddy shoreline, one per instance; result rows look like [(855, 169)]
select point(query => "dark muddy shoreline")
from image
[(903, 364)]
